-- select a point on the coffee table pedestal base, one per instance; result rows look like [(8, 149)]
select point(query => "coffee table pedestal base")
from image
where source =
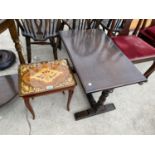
[(91, 112)]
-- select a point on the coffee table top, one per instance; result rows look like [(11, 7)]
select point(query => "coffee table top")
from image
[(99, 63), (44, 76)]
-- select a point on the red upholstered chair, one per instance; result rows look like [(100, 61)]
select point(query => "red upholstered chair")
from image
[(136, 49)]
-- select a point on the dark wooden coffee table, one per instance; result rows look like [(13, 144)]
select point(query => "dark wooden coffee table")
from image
[(100, 66)]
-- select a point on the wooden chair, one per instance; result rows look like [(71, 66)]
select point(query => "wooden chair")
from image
[(82, 24), (40, 30), (78, 24), (119, 26), (67, 22), (136, 49), (10, 25), (64, 22)]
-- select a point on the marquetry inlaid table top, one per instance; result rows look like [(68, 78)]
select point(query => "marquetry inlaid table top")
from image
[(44, 76)]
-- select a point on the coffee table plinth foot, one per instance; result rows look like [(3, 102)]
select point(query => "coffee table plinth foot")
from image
[(91, 112)]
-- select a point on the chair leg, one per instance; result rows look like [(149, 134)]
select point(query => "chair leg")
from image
[(58, 38), (70, 94), (55, 52), (150, 70), (59, 42), (28, 47), (54, 45), (29, 107), (15, 38)]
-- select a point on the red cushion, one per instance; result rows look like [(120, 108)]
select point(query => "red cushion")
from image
[(151, 31), (134, 47)]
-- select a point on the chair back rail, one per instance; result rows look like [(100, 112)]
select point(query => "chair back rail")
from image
[(39, 29), (141, 24), (83, 24), (107, 24)]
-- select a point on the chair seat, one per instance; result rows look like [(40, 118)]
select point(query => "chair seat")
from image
[(42, 77), (134, 47)]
